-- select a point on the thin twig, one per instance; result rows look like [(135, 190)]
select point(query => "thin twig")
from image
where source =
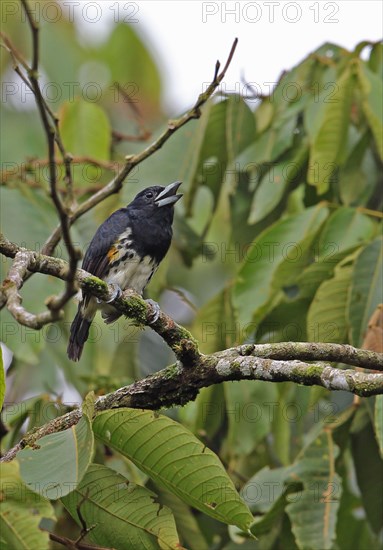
[(120, 136), (51, 133), (16, 58), (15, 54)]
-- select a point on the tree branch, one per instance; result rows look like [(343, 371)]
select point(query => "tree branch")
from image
[(132, 305), (309, 351), (179, 384)]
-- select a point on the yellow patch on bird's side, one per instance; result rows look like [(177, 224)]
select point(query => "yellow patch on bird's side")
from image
[(112, 252)]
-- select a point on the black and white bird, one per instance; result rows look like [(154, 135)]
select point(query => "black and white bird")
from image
[(125, 251)]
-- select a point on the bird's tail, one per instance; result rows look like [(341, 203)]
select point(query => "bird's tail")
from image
[(79, 332)]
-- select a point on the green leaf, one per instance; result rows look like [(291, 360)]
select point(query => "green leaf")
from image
[(358, 176), (326, 318), (266, 493), (175, 459), (240, 126), (57, 465), (353, 531), (342, 232), (366, 290), (210, 157), (313, 512), (132, 65), (281, 430), (124, 515), (309, 491), (85, 129), (2, 379), (371, 86), (264, 115), (273, 261), (375, 62), (275, 183), (328, 146), (369, 473), (267, 522), (206, 414), (186, 522), (248, 414), (378, 422), (268, 147), (214, 326), (21, 511)]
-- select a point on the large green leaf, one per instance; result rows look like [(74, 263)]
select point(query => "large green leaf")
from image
[(124, 515), (57, 465), (366, 289), (21, 511), (371, 86), (326, 318), (85, 129), (175, 459), (328, 146), (273, 261)]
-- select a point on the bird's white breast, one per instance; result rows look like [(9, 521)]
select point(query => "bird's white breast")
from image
[(133, 272)]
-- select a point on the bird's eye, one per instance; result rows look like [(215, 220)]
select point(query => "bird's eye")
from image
[(149, 195)]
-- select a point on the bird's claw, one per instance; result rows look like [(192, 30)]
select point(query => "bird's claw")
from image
[(116, 293), (153, 317)]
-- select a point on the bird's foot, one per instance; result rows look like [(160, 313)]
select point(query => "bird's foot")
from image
[(116, 293), (153, 317)]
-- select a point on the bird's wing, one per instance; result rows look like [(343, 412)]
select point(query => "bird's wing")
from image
[(101, 250)]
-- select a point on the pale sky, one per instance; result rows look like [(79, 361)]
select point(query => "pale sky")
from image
[(187, 37)]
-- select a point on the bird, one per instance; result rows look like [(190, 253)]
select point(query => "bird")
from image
[(125, 252)]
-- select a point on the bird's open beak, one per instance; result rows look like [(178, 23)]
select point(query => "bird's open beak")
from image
[(168, 195)]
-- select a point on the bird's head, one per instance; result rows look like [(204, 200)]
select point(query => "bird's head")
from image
[(155, 198)]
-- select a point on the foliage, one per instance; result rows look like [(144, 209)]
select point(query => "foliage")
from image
[(278, 240)]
